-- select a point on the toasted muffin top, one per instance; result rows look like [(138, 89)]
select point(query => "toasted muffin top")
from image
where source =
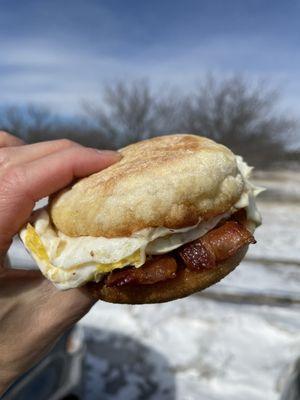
[(171, 181)]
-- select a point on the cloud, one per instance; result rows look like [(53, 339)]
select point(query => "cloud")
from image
[(49, 72)]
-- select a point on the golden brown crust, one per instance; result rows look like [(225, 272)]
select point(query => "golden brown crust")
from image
[(186, 282), (166, 181)]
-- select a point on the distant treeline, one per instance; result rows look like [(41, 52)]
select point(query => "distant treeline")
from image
[(243, 116)]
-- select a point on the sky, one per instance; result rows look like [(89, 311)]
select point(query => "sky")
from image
[(57, 53)]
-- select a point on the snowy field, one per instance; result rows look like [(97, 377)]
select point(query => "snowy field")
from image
[(236, 341)]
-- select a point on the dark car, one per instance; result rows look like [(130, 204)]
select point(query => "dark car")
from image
[(58, 376)]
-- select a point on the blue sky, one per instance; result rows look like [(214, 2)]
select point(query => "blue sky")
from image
[(59, 52)]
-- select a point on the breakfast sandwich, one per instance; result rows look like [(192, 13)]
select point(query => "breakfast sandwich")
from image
[(175, 215)]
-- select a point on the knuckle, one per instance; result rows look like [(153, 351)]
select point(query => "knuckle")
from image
[(66, 143), (4, 158), (6, 139), (12, 178)]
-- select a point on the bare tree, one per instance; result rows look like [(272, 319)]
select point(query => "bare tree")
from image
[(131, 112), (12, 119), (28, 122), (41, 121), (245, 118), (35, 124)]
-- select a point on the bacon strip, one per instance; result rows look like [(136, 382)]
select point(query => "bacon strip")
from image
[(240, 216), (217, 245), (156, 270), (196, 256), (204, 253)]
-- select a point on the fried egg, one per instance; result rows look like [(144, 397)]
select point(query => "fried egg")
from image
[(72, 261)]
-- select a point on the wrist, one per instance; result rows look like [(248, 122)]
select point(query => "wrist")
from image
[(33, 307)]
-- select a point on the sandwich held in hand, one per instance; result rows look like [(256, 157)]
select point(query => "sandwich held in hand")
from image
[(175, 215)]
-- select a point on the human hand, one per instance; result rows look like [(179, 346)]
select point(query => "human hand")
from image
[(33, 313)]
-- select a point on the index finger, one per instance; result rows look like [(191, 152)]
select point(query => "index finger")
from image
[(23, 185)]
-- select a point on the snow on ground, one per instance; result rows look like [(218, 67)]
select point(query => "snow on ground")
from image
[(213, 350), (281, 185), (199, 348), (228, 343), (279, 236)]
